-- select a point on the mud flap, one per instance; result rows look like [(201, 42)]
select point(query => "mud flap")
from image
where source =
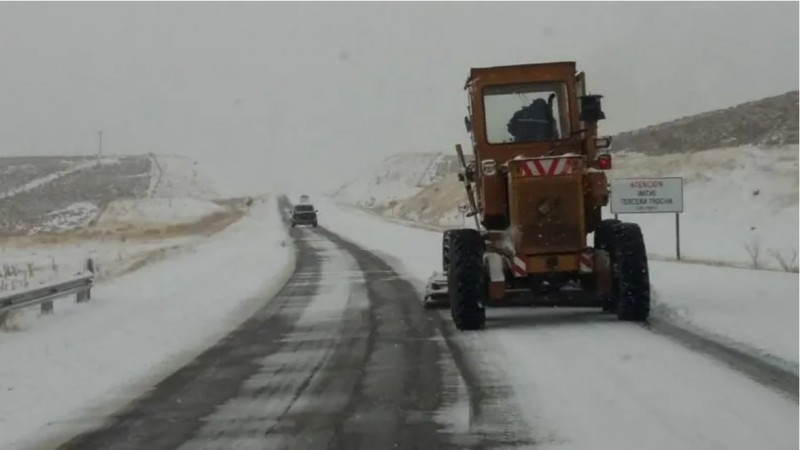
[(602, 273), (497, 279)]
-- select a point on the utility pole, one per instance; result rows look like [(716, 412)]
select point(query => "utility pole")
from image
[(100, 143)]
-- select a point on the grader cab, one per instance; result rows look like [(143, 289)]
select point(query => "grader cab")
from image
[(536, 187)]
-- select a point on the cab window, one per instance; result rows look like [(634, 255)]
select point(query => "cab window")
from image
[(532, 112)]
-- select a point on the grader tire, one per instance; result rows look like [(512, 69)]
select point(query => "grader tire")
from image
[(631, 273), (466, 279), (446, 250), (603, 238), (603, 233)]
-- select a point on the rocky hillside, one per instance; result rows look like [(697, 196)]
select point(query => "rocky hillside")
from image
[(768, 122)]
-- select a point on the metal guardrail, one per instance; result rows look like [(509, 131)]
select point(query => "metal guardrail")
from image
[(80, 286)]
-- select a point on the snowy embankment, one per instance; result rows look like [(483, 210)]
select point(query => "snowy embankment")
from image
[(66, 371), (758, 309), (127, 234), (396, 178), (740, 205), (146, 212)]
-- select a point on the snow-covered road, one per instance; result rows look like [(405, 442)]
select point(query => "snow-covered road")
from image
[(584, 380)]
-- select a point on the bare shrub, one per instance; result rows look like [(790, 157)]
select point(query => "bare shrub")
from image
[(753, 249), (788, 263)]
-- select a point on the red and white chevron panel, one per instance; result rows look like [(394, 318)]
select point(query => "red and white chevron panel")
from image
[(519, 267), (546, 166), (586, 262)]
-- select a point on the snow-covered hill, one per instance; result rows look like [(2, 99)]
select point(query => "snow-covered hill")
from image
[(179, 176), (57, 194), (396, 178), (769, 122)]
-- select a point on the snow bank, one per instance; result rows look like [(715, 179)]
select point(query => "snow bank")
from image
[(87, 359), (756, 308), (733, 198), (587, 381), (156, 211), (35, 263)]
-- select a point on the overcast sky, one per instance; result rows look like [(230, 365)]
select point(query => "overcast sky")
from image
[(304, 94)]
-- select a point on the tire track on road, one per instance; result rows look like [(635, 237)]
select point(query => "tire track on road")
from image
[(344, 357), (494, 419), (755, 367)]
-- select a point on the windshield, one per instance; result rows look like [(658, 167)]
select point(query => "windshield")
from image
[(526, 112), (304, 208)]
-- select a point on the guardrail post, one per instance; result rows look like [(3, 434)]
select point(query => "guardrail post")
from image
[(84, 296)]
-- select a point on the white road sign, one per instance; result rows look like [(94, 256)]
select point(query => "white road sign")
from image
[(646, 195)]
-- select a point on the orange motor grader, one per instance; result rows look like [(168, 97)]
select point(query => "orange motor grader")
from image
[(535, 188)]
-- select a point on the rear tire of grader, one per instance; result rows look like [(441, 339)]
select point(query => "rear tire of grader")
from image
[(631, 278), (466, 279)]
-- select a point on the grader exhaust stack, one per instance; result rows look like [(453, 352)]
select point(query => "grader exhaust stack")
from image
[(536, 189)]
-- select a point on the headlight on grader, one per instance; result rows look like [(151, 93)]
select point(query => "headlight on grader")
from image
[(602, 142)]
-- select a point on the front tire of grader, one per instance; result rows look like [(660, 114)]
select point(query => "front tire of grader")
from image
[(603, 238), (446, 250), (631, 274), (604, 233), (466, 279)]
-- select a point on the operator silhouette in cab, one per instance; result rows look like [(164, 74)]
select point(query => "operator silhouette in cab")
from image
[(534, 123)]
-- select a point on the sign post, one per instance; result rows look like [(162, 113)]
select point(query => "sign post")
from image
[(649, 195), (678, 235)]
